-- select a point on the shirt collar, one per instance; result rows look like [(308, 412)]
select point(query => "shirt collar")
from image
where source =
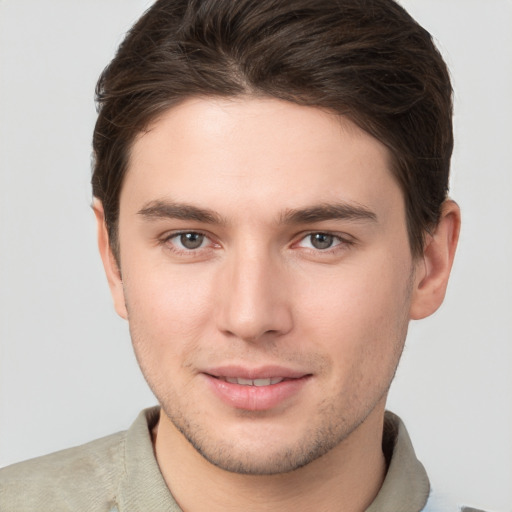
[(406, 486), (405, 489), (143, 486)]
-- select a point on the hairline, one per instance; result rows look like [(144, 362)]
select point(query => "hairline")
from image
[(146, 127)]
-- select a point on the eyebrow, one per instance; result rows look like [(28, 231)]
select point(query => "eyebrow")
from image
[(170, 210), (162, 209), (328, 211)]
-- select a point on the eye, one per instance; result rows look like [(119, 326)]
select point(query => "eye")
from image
[(188, 241), (320, 241)]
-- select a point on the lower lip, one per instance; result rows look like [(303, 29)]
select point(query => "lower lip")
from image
[(256, 398)]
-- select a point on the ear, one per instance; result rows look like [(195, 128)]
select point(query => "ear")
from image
[(110, 265), (433, 268)]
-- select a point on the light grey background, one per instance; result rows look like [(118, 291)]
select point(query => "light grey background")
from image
[(67, 374)]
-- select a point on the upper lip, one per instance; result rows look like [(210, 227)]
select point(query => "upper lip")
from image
[(262, 372)]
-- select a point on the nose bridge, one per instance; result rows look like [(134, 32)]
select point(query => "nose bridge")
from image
[(254, 301)]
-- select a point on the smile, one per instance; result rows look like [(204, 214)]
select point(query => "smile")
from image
[(253, 382), (256, 392)]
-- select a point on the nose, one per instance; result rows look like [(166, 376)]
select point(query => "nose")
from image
[(254, 301)]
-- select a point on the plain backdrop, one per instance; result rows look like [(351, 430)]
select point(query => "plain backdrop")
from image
[(67, 373)]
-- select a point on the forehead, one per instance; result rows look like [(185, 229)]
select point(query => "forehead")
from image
[(244, 152)]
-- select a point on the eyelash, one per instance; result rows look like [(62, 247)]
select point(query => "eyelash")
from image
[(343, 243), (187, 252)]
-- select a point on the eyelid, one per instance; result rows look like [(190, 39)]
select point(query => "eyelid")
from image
[(177, 232), (343, 238), (167, 237)]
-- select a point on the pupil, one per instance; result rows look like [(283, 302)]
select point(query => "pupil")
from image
[(191, 240), (321, 241)]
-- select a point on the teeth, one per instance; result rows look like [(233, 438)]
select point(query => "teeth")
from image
[(254, 382), (261, 382)]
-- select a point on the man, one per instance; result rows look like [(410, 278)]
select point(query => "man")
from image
[(270, 187)]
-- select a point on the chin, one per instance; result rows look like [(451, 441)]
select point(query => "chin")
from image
[(263, 449), (255, 462)]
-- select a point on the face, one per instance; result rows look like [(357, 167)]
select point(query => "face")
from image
[(266, 277)]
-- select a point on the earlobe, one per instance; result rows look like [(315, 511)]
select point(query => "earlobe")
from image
[(110, 265), (433, 269)]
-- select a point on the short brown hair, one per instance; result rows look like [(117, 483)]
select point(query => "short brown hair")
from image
[(364, 59)]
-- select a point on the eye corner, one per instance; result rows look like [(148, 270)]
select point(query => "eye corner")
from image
[(188, 242), (323, 243)]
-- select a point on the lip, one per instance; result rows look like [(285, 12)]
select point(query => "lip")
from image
[(255, 398), (264, 372)]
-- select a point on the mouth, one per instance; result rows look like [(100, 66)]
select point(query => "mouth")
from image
[(252, 382), (256, 390)]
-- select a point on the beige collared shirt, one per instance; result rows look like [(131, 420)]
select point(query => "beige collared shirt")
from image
[(119, 473)]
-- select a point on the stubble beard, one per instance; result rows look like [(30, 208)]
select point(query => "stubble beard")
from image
[(334, 421), (330, 427)]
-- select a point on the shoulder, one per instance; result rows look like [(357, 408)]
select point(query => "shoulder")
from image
[(65, 480)]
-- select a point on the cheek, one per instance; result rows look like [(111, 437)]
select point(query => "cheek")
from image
[(168, 311), (359, 314), (362, 330)]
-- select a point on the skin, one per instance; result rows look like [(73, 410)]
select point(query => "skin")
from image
[(276, 279)]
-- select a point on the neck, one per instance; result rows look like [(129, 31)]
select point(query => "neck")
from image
[(345, 479)]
